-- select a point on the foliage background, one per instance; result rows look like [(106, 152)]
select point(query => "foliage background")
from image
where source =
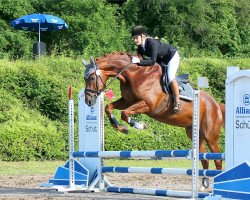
[(198, 28), (210, 36)]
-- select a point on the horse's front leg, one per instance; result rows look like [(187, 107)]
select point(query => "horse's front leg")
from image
[(120, 104), (139, 107)]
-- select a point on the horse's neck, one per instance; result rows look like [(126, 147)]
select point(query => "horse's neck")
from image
[(116, 66), (123, 69)]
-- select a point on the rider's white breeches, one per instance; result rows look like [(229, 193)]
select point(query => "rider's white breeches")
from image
[(173, 66)]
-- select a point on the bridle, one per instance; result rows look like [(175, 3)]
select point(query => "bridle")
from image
[(95, 93)]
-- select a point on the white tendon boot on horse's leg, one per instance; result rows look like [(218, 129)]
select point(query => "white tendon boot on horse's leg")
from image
[(137, 125)]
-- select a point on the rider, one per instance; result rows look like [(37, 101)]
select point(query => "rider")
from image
[(161, 53)]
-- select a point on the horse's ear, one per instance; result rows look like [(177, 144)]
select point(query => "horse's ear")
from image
[(93, 63), (84, 63)]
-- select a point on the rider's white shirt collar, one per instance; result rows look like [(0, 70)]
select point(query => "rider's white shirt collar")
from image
[(143, 44)]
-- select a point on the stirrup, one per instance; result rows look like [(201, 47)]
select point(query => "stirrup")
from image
[(177, 107)]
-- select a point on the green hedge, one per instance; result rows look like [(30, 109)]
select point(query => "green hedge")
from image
[(33, 108), (25, 134)]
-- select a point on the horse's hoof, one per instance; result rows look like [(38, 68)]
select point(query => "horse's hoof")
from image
[(205, 182), (123, 129), (144, 125)]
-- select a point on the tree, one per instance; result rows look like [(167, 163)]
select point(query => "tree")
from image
[(193, 26), (14, 44), (196, 28), (94, 28)]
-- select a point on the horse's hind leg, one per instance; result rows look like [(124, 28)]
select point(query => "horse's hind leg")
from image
[(211, 132), (213, 144), (211, 124)]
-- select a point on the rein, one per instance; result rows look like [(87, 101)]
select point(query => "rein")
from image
[(115, 76)]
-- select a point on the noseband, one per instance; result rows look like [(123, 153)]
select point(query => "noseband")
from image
[(95, 93)]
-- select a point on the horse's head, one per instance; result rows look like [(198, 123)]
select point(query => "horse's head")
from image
[(97, 73), (94, 82)]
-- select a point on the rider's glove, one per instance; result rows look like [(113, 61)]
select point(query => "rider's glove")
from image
[(135, 60)]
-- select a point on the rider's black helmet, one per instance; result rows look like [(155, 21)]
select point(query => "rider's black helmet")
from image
[(139, 30)]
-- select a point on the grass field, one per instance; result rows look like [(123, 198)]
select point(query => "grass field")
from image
[(49, 167)]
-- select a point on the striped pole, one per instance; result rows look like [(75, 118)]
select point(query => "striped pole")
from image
[(212, 156), (158, 154), (155, 192), (134, 154), (149, 170)]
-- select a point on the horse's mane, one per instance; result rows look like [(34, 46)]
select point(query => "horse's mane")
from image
[(117, 53), (127, 57)]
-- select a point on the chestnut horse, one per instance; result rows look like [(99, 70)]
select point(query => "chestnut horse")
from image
[(142, 93)]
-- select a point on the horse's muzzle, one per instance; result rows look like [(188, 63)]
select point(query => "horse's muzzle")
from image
[(90, 99), (90, 102)]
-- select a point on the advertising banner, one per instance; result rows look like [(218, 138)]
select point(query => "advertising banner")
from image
[(237, 117)]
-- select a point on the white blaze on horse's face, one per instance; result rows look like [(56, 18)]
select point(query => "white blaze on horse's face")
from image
[(98, 72), (94, 81)]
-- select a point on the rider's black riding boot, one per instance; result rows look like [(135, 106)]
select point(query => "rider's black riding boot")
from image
[(175, 90), (165, 76)]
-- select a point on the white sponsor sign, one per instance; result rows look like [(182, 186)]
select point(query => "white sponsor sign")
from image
[(91, 130), (237, 117)]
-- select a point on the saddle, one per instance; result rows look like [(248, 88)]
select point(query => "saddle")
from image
[(185, 89)]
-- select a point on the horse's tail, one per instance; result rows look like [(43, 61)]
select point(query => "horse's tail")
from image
[(222, 108)]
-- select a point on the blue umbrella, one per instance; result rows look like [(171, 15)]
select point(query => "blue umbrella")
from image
[(38, 23)]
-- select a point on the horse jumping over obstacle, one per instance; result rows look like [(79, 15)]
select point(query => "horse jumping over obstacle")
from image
[(142, 93)]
